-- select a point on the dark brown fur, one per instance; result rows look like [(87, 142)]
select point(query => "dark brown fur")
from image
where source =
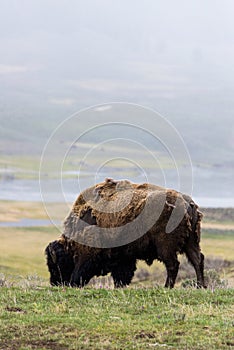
[(86, 221)]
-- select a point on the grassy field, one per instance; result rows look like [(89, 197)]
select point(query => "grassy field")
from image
[(134, 318), (34, 315), (15, 210)]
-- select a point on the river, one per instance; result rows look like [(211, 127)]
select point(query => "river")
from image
[(208, 189)]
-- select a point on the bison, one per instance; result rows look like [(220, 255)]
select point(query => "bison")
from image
[(114, 224)]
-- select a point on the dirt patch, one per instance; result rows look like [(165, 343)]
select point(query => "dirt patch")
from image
[(35, 344), (143, 335), (15, 309)]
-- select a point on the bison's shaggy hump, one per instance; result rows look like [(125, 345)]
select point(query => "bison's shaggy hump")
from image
[(138, 221), (117, 204), (113, 203)]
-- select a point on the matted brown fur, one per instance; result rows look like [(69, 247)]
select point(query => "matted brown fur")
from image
[(109, 196), (114, 204)]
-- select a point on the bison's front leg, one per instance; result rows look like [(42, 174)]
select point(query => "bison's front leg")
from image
[(123, 273), (172, 266), (81, 275)]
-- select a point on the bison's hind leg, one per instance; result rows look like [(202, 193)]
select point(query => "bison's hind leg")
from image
[(123, 273), (196, 258)]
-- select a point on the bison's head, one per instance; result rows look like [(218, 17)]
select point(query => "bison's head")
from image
[(60, 264)]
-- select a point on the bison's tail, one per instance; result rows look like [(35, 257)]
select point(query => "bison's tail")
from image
[(192, 249), (195, 217)]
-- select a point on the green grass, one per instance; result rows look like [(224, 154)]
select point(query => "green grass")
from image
[(218, 243), (23, 250), (65, 318), (217, 234), (143, 316), (35, 316)]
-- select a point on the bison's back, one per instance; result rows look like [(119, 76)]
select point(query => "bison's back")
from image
[(115, 213)]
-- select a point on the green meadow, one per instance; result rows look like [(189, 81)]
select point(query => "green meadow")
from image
[(145, 315)]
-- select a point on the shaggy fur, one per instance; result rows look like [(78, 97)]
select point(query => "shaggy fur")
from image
[(73, 262)]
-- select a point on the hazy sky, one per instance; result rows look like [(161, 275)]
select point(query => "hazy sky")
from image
[(175, 56), (59, 56)]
